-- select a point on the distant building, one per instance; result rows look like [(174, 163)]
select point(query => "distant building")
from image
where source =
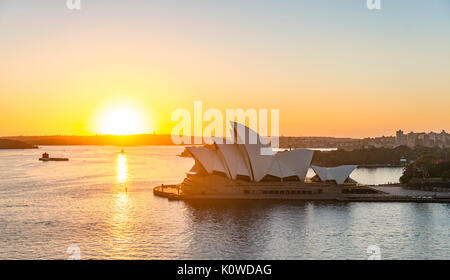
[(379, 142), (400, 138), (431, 139), (412, 139)]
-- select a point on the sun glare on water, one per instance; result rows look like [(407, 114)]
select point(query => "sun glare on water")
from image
[(122, 120)]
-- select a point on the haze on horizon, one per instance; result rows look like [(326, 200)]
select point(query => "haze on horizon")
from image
[(332, 68)]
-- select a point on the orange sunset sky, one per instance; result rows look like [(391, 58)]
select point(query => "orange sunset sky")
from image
[(332, 68)]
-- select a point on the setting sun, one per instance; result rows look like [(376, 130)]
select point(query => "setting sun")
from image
[(122, 120)]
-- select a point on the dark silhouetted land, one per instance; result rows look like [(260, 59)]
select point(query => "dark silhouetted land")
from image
[(15, 144), (118, 140), (165, 139)]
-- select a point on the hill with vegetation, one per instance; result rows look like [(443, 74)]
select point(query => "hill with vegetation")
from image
[(428, 170), (377, 156)]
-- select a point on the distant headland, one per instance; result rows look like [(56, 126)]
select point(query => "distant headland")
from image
[(100, 140), (15, 144)]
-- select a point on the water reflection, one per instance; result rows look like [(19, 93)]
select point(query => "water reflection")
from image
[(121, 231), (274, 229), (122, 169), (85, 203)]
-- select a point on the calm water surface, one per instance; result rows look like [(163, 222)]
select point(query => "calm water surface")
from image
[(102, 201)]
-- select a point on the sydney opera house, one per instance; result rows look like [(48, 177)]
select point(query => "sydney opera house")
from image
[(244, 168)]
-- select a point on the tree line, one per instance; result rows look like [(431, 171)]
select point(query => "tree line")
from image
[(374, 156)]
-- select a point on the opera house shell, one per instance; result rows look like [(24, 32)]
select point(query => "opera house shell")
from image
[(339, 174), (242, 160), (246, 168)]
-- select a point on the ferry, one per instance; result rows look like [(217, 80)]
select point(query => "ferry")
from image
[(46, 157)]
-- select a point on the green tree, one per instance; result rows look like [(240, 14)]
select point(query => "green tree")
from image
[(424, 163), (410, 172)]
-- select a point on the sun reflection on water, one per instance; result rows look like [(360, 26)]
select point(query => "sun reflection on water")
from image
[(122, 232), (122, 169)]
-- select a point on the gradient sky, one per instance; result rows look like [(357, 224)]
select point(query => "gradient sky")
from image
[(332, 67)]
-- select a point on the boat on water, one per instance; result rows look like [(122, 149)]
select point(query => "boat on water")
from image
[(46, 157)]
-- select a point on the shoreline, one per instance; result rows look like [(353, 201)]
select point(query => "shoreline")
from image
[(404, 195)]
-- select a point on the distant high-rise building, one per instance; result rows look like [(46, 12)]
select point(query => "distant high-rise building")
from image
[(431, 139), (411, 139), (400, 138)]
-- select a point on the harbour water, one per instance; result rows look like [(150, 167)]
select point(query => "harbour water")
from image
[(102, 202)]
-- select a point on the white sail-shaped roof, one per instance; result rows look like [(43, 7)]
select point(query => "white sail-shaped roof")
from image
[(298, 161), (197, 168), (208, 158), (322, 172), (234, 161), (279, 169), (243, 157), (338, 174), (250, 140)]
